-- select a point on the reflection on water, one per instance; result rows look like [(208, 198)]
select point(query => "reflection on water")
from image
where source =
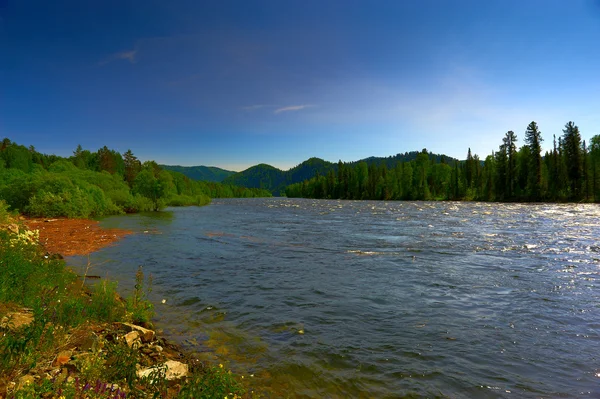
[(373, 299)]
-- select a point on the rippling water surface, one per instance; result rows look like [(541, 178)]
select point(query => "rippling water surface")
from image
[(340, 299)]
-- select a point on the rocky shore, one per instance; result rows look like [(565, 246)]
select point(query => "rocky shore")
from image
[(49, 352)]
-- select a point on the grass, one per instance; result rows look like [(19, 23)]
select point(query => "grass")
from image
[(67, 314)]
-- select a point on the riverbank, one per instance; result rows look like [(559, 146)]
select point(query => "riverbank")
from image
[(69, 237), (60, 338)]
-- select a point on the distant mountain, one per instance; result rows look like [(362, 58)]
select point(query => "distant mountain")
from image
[(275, 180), (205, 173)]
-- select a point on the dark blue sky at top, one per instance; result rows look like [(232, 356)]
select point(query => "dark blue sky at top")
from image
[(235, 83)]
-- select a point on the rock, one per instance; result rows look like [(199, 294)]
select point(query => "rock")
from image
[(145, 334), (15, 320), (175, 370), (133, 339)]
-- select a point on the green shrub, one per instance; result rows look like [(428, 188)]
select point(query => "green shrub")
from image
[(140, 308), (104, 304), (4, 213), (138, 203), (214, 382)]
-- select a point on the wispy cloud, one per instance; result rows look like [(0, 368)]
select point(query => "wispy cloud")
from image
[(122, 55), (291, 108)]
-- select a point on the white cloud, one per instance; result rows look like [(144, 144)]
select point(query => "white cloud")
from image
[(291, 108)]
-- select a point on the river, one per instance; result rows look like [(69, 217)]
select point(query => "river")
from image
[(358, 299)]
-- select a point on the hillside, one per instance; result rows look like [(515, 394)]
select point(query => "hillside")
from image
[(259, 176), (204, 173), (275, 180)]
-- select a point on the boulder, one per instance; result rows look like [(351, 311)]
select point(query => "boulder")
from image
[(15, 320), (133, 339), (174, 370), (145, 334)]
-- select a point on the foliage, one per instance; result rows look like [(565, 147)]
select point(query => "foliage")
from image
[(94, 184), (138, 306), (214, 382)]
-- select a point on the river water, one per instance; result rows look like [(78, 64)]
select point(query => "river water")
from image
[(353, 299)]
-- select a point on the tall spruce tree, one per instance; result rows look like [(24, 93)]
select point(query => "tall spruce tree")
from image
[(533, 139), (595, 165), (510, 148), (573, 160)]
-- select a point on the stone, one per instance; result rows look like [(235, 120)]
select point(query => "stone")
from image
[(15, 320), (175, 370), (133, 339), (145, 334)]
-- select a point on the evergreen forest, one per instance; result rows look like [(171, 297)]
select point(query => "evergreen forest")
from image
[(570, 172)]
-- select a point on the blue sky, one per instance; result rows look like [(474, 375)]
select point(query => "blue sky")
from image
[(236, 83)]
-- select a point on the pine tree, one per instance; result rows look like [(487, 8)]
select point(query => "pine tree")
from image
[(132, 167), (573, 159), (533, 139), (595, 164)]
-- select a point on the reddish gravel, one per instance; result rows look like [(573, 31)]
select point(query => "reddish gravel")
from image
[(74, 236)]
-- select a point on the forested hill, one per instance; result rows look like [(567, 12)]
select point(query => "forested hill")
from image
[(204, 173), (94, 184), (391, 161), (569, 172), (273, 179)]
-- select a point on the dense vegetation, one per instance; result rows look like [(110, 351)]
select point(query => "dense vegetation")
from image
[(570, 172), (204, 173), (92, 184), (275, 180)]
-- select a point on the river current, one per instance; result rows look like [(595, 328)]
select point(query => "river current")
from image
[(361, 299)]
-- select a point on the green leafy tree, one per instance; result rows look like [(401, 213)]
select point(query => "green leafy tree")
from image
[(154, 183)]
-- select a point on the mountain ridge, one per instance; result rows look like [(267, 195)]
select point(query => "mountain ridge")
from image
[(271, 178), (201, 172)]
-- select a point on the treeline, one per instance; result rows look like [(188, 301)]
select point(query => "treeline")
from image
[(91, 184), (570, 172)]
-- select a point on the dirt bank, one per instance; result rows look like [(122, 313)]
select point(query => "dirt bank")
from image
[(73, 236)]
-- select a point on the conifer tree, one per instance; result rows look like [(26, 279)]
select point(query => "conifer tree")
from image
[(533, 139), (573, 159)]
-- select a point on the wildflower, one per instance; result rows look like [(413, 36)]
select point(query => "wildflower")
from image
[(220, 365)]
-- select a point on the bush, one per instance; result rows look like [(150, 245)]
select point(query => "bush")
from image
[(4, 213), (138, 203), (187, 200), (140, 308)]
